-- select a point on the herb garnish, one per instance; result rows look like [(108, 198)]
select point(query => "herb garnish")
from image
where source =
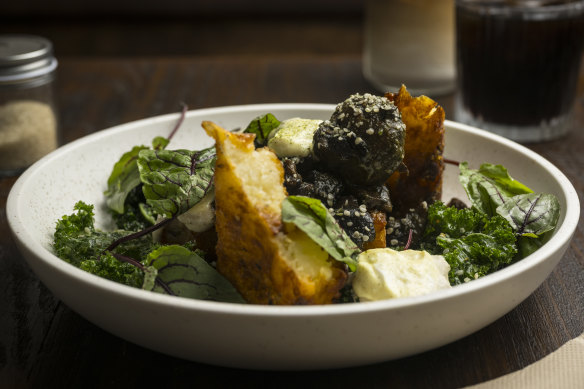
[(261, 127), (313, 218)]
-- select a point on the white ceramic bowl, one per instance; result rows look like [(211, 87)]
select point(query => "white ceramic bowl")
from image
[(272, 337)]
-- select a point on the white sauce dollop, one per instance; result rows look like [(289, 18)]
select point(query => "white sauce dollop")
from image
[(385, 273), (201, 216), (293, 137)]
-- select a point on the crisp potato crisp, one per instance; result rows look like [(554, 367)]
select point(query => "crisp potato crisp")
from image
[(424, 147)]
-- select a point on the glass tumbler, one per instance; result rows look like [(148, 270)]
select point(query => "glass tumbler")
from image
[(518, 65)]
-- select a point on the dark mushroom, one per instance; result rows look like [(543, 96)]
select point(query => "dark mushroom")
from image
[(363, 142)]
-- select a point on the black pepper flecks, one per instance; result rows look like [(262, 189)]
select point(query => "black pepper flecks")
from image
[(350, 212), (326, 187), (398, 229), (363, 142), (355, 220)]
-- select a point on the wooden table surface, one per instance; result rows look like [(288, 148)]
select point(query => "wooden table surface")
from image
[(45, 344)]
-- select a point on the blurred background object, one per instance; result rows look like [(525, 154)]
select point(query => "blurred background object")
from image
[(518, 66), (28, 123), (410, 42)]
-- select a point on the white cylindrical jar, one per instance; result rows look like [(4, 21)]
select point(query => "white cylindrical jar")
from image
[(410, 42)]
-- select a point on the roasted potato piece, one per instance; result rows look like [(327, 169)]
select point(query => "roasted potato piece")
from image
[(424, 146), (268, 262)]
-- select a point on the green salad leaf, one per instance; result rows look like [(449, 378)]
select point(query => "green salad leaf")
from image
[(78, 242), (493, 191), (472, 243), (261, 127), (135, 216), (160, 143), (489, 187), (312, 217), (112, 269), (175, 180), (533, 216), (178, 271), (125, 175)]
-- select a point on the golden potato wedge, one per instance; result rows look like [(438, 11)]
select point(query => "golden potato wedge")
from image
[(268, 262), (424, 147)]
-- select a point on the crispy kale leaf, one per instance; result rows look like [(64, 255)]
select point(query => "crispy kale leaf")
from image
[(175, 270), (472, 243), (78, 242), (110, 268)]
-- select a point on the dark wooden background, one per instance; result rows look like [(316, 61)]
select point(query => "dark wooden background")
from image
[(186, 28), (120, 62)]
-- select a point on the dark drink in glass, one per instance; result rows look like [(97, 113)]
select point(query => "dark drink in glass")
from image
[(518, 64)]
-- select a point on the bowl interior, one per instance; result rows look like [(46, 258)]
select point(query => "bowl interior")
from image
[(79, 171)]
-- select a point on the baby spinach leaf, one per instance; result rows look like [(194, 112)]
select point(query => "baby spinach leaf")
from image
[(175, 180), (178, 271), (125, 175), (500, 175), (261, 127), (313, 218), (531, 216), (147, 213), (133, 219), (489, 187), (493, 191), (150, 274), (160, 143), (527, 244)]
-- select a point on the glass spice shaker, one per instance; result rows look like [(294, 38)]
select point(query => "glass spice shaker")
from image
[(28, 120)]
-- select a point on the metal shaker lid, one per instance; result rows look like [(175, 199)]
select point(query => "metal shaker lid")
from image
[(25, 56)]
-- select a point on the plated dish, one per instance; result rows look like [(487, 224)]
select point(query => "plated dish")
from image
[(269, 337)]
